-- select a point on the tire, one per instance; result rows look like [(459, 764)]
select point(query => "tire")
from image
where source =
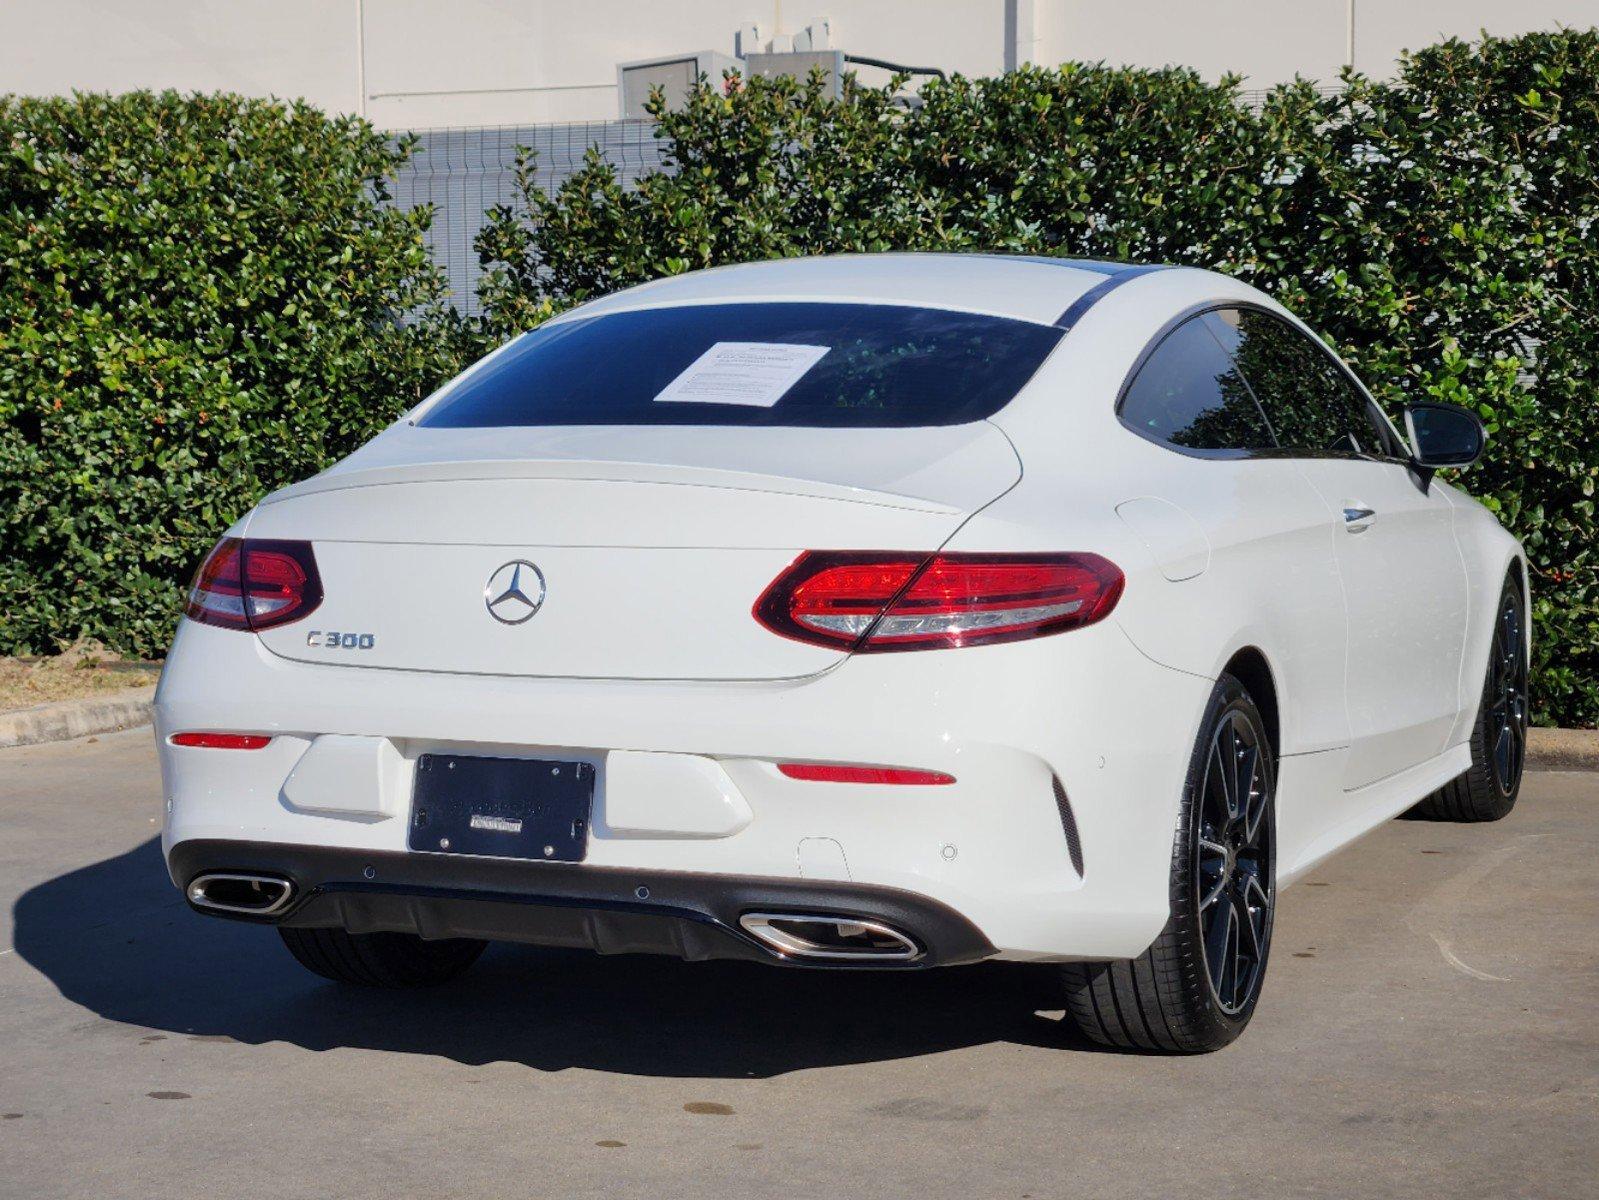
[(389, 960), (1195, 989), (1488, 789)]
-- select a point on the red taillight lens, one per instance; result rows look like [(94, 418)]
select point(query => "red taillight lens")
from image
[(833, 598), (217, 595), (832, 773), (870, 602), (221, 741), (253, 583)]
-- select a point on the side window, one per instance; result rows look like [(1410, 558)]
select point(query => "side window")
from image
[(1188, 393), (1311, 404)]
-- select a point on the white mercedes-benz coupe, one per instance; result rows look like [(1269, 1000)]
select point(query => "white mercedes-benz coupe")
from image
[(873, 611)]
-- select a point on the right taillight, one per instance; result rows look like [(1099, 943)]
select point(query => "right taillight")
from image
[(871, 602), (255, 583)]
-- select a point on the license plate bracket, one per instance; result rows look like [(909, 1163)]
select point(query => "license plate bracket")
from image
[(524, 808)]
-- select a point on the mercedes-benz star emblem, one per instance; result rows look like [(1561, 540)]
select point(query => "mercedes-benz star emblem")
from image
[(514, 592)]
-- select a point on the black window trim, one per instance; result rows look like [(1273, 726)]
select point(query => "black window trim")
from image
[(1209, 306), (1113, 280)]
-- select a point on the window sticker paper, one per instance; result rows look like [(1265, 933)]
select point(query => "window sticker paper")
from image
[(756, 374)]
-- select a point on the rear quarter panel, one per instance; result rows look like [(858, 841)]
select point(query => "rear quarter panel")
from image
[(1267, 582)]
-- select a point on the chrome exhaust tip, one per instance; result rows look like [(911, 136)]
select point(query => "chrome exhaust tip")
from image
[(251, 895), (800, 935)]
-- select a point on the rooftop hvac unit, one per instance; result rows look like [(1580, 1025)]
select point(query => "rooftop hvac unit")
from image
[(800, 63), (674, 74)]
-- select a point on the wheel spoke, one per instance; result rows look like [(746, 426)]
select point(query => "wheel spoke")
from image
[(1254, 795), (1252, 913), (1227, 749), (1512, 634), (1247, 953), (1231, 978), (1218, 941), (1256, 905), (1212, 869), (1214, 791), (1502, 755)]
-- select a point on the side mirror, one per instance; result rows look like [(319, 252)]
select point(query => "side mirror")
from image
[(1443, 435)]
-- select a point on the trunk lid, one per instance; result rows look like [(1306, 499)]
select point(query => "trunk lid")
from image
[(650, 545)]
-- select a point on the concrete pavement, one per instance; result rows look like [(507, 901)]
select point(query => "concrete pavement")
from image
[(1427, 1029)]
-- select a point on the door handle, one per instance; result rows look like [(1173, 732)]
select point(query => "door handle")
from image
[(1358, 520)]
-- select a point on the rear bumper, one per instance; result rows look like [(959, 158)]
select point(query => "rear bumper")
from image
[(607, 910), (1085, 709)]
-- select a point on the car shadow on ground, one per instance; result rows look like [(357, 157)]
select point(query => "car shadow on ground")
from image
[(116, 938)]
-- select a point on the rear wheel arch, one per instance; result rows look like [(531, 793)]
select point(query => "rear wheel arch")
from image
[(1250, 667)]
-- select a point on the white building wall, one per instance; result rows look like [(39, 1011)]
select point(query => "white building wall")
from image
[(259, 47), (1382, 29), (438, 63), (1266, 40), (1270, 41)]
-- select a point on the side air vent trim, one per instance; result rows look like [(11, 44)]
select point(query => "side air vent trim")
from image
[(1068, 825)]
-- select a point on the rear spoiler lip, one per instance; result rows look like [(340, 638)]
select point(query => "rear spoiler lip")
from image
[(941, 470), (615, 472)]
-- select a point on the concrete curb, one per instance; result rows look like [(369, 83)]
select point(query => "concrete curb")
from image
[(76, 718), (1563, 749)]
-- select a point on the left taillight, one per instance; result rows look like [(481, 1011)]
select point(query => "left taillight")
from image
[(869, 602), (255, 583)]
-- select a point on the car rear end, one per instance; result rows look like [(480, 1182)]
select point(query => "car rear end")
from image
[(562, 661)]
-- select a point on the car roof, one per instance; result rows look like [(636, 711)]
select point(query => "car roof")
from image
[(1023, 287)]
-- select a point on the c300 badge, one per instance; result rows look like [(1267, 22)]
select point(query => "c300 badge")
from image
[(332, 639)]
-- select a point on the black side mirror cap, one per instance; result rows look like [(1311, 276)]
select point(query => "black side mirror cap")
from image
[(1443, 435)]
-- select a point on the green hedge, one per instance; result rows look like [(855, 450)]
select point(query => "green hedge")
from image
[(199, 301), (1440, 229), (201, 297)]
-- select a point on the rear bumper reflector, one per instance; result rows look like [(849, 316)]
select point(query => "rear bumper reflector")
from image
[(221, 741), (833, 773)]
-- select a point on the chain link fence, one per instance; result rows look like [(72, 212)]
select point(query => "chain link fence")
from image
[(463, 173)]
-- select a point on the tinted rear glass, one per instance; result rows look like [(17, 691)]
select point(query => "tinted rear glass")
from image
[(782, 364)]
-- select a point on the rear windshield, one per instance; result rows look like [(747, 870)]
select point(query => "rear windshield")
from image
[(754, 364)]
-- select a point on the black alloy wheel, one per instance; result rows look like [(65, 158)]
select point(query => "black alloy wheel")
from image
[(1233, 867), (1488, 789), (1506, 696)]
